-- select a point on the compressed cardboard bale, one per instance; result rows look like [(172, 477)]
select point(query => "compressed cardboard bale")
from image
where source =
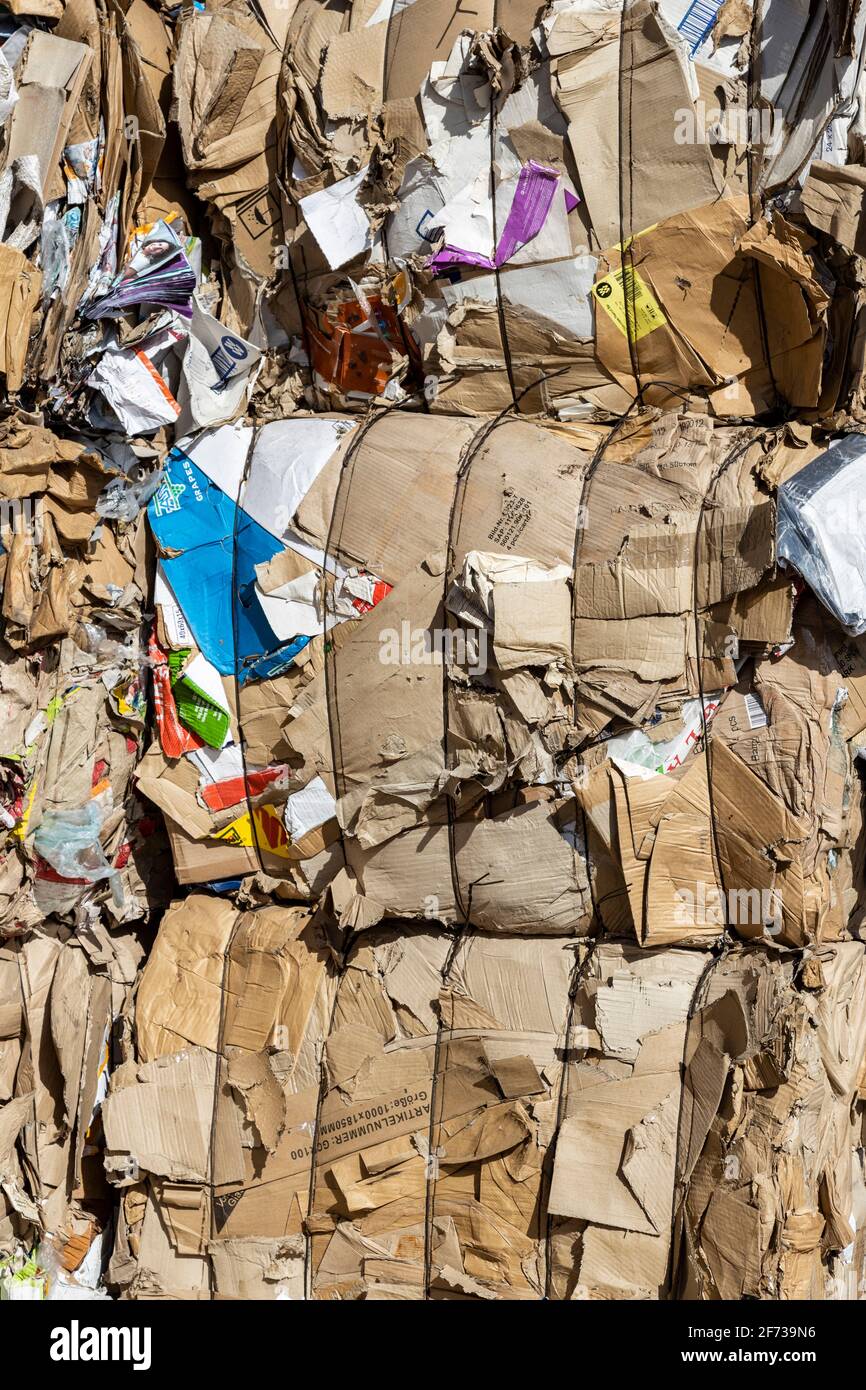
[(361, 1140), (457, 1108), (451, 233), (567, 675), (433, 746), (645, 1161), (494, 1117), (737, 1193), (65, 995)]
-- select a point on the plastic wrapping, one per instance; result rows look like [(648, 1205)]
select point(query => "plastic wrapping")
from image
[(821, 531)]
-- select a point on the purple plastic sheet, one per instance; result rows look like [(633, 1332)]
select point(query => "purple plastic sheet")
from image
[(159, 274), (533, 197)]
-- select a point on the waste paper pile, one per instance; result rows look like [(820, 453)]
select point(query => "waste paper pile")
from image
[(432, 501)]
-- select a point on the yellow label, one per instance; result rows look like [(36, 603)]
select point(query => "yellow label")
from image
[(635, 319), (53, 709), (21, 828), (270, 834), (123, 705)]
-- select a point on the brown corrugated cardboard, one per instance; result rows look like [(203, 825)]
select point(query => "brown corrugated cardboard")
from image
[(474, 370), (428, 1136)]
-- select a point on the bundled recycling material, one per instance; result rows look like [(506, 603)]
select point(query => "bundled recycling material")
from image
[(501, 1116), (572, 199), (433, 650)]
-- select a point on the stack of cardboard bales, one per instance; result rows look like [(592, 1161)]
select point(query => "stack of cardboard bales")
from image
[(577, 798), (434, 651), (82, 857)]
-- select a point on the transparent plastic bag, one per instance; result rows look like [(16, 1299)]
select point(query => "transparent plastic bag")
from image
[(69, 842), (124, 497), (22, 1279), (63, 1287)]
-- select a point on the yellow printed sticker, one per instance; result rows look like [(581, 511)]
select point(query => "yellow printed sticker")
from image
[(643, 310), (21, 828), (270, 832), (630, 240)]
